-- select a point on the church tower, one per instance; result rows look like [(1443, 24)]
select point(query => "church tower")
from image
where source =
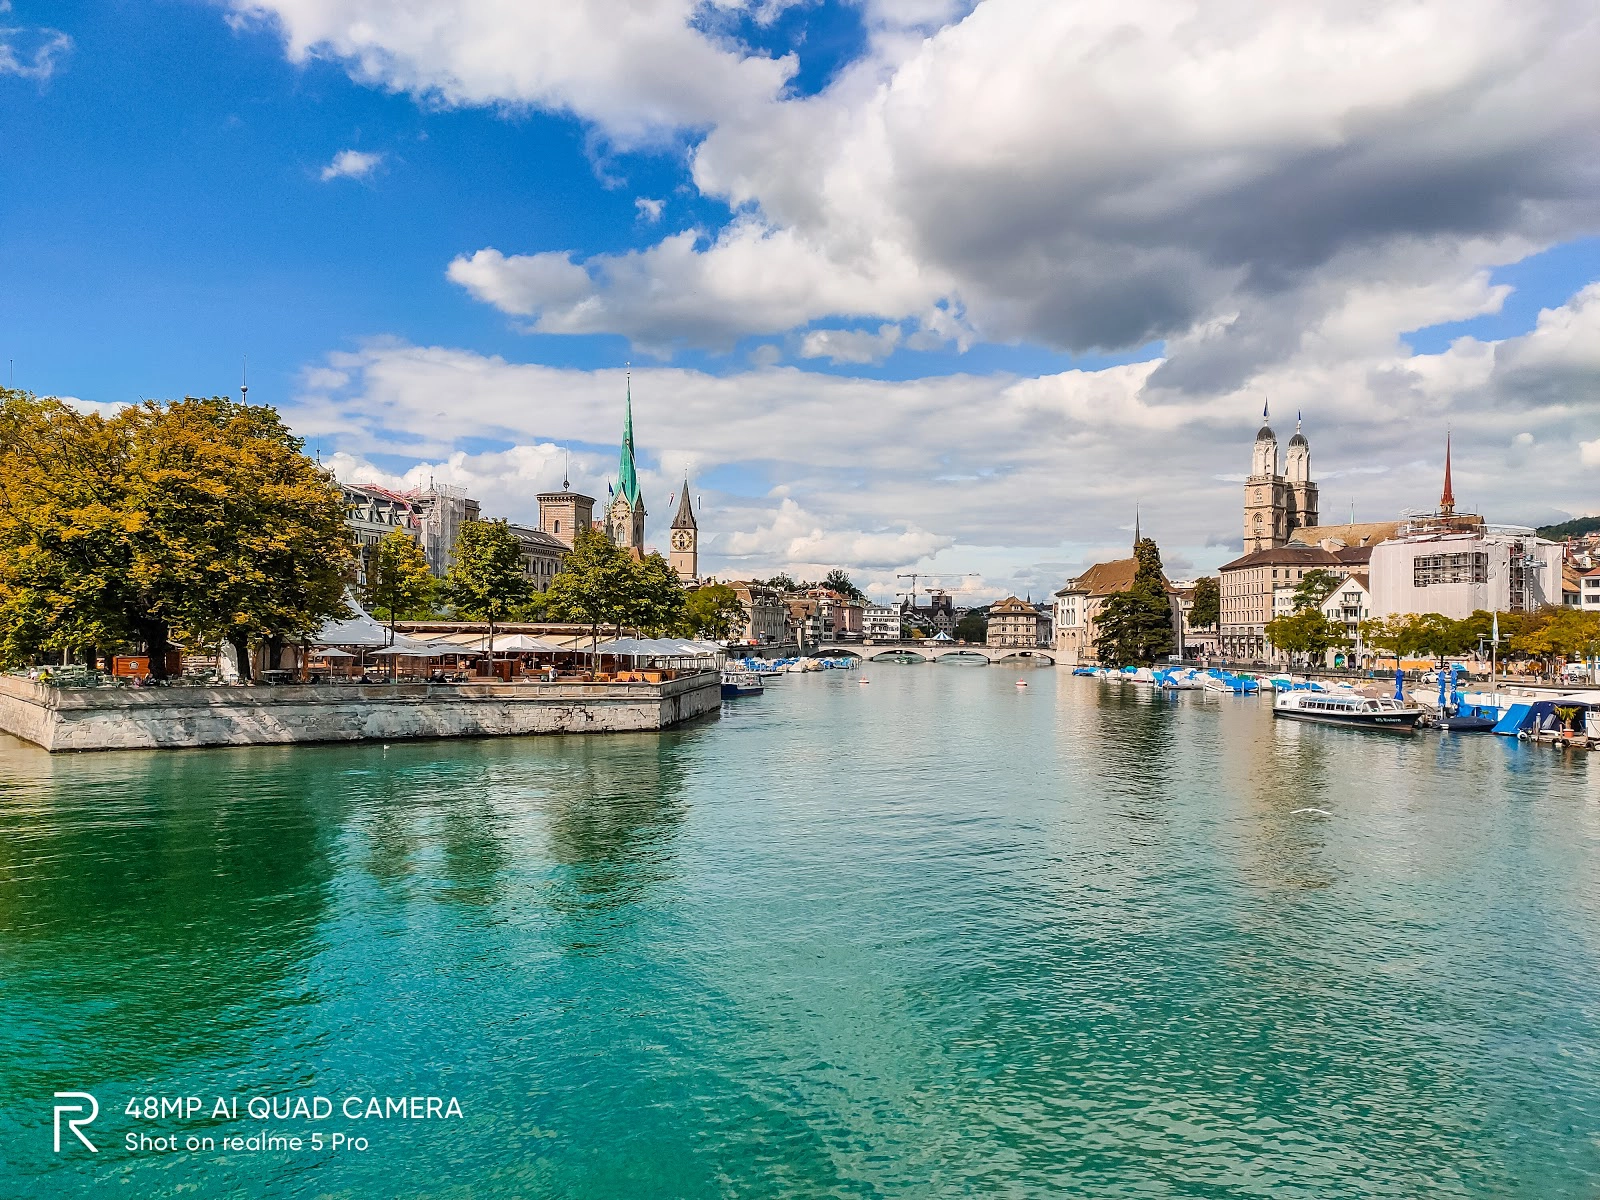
[(685, 554), (625, 517), (1302, 492), (1266, 495)]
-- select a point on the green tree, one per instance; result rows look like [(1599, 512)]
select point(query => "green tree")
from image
[(714, 611), (838, 580), (1559, 634), (784, 583), (1135, 626), (652, 598), (593, 584), (486, 581), (199, 516), (400, 587), (1207, 610), (1306, 634), (1314, 587), (973, 626)]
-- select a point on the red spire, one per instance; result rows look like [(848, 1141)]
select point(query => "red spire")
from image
[(1447, 501)]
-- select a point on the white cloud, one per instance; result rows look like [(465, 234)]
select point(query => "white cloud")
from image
[(649, 210), (31, 52), (850, 345), (1010, 477), (1096, 174), (639, 69), (351, 164)]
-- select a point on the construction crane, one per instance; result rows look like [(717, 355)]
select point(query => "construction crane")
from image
[(911, 593)]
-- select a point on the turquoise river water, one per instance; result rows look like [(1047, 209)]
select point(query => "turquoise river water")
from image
[(933, 936)]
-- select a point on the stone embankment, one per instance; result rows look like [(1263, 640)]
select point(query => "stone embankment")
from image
[(61, 719)]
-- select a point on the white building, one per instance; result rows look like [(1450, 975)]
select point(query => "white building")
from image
[(881, 623), (1349, 604), (1589, 591), (1454, 573)]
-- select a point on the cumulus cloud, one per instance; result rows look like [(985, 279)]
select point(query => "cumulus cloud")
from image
[(996, 474), (648, 209), (640, 70), (850, 345), (31, 52), (351, 164), (1091, 175)]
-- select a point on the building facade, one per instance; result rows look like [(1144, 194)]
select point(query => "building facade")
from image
[(1014, 623), (1455, 573), (1348, 605), (542, 554), (626, 514), (1589, 591), (1253, 585), (765, 614), (684, 554), (372, 513), (1276, 503), (1078, 604), (563, 513), (881, 623)]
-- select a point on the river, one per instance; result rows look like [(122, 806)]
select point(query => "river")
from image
[(935, 935)]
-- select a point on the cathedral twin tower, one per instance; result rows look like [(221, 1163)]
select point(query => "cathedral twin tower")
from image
[(1276, 504)]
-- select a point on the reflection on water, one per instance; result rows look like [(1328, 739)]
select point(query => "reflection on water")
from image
[(936, 936)]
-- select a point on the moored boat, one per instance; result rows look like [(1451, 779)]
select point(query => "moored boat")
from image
[(1363, 712), (740, 681)]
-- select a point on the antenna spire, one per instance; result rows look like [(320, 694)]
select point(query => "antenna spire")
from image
[(244, 381), (1447, 499)]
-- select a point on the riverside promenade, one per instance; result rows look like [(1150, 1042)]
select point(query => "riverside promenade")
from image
[(115, 718)]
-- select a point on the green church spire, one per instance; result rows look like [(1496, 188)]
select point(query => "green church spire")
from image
[(627, 476)]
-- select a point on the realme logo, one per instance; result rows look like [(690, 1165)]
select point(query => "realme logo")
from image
[(76, 1123)]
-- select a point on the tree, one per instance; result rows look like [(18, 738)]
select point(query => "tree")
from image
[(1314, 587), (652, 599), (973, 626), (199, 516), (1560, 634), (1391, 635), (783, 582), (1136, 625), (1306, 634), (838, 580), (593, 582), (713, 611), (486, 581), (400, 587), (1207, 609)]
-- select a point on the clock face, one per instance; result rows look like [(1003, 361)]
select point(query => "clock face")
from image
[(680, 540)]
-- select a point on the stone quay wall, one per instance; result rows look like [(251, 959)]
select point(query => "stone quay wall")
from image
[(153, 718)]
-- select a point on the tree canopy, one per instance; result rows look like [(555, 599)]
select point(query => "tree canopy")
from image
[(486, 581), (1306, 634), (1135, 626), (1207, 609), (714, 611), (1315, 586), (400, 587), (198, 516), (973, 626), (838, 580)]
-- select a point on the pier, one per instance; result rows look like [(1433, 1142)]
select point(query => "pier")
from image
[(118, 718)]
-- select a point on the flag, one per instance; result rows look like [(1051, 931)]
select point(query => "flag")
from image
[(1494, 635)]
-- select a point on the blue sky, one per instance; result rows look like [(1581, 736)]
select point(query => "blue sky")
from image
[(1045, 324)]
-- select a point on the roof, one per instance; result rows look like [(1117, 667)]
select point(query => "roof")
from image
[(1291, 555), (526, 533), (685, 517), (1012, 604), (1366, 533), (1265, 434), (627, 475), (1104, 579), (564, 494)]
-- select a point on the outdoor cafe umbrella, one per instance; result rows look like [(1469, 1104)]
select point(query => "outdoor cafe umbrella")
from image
[(521, 643), (330, 652)]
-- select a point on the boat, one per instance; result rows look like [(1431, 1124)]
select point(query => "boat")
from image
[(1363, 712), (739, 681)]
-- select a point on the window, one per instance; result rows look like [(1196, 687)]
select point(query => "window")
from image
[(558, 525), (1468, 567)]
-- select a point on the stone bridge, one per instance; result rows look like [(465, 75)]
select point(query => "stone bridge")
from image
[(934, 651)]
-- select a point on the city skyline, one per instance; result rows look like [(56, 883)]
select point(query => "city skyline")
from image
[(376, 223)]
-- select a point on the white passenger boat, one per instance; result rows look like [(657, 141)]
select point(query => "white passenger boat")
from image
[(1332, 709)]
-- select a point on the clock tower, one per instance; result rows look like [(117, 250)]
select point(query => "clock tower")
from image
[(685, 554)]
